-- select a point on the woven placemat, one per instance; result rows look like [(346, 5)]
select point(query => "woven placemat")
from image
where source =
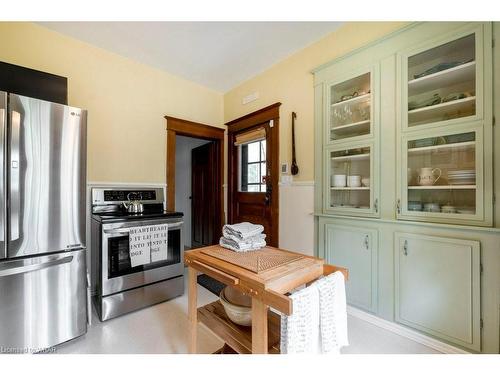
[(256, 260)]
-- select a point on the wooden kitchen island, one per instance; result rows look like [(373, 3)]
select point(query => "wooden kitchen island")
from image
[(273, 273)]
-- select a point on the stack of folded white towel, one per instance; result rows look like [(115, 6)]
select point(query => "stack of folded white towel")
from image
[(243, 237)]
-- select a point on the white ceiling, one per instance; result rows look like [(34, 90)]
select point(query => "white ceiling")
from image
[(218, 55)]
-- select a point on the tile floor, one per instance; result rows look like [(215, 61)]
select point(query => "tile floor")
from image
[(162, 329)]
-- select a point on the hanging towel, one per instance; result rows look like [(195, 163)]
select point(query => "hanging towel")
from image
[(332, 312), (251, 243), (139, 246), (242, 231), (318, 323), (159, 242), (300, 331)]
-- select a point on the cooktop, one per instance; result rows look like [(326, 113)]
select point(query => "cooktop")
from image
[(123, 215)]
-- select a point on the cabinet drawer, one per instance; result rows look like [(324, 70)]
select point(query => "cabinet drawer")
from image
[(357, 250), (438, 287)]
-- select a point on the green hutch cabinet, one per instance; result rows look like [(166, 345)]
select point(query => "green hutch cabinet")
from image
[(404, 193)]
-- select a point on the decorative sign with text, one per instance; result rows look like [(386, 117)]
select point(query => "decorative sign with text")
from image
[(148, 244), (159, 242)]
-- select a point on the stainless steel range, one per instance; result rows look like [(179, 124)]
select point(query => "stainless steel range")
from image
[(121, 288)]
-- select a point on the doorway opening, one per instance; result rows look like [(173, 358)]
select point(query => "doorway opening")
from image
[(195, 155)]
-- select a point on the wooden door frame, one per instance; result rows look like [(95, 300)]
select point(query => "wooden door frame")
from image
[(250, 120), (176, 126)]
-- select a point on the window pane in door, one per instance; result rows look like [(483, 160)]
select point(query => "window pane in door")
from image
[(253, 152), (252, 167), (253, 173)]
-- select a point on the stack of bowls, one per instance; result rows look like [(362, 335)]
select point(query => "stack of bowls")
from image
[(238, 307), (414, 206), (432, 207), (462, 177)]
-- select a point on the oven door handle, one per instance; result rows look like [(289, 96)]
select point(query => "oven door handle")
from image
[(127, 230)]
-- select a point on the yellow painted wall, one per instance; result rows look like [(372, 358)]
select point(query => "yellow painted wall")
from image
[(126, 100), (291, 83)]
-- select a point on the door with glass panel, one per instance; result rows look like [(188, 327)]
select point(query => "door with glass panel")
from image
[(253, 176), (441, 81), (442, 176), (351, 186), (351, 108)]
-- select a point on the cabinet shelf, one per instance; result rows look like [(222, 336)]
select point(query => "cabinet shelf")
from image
[(462, 73), (443, 187), (455, 146), (360, 126), (350, 157), (360, 98), (426, 113), (350, 188), (239, 338)]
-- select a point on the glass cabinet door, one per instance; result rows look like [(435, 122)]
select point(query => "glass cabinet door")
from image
[(441, 83), (349, 181), (350, 108), (443, 179)]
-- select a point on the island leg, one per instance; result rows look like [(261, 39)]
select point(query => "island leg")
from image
[(259, 327), (192, 309)]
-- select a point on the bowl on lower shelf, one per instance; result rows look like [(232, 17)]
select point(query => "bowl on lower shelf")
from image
[(237, 313)]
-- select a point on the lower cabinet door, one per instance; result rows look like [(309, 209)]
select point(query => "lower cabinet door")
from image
[(437, 285), (355, 249)]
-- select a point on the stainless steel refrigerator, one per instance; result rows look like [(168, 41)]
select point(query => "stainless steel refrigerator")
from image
[(42, 223)]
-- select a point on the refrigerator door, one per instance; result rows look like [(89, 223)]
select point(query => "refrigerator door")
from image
[(43, 301), (3, 177), (47, 177)]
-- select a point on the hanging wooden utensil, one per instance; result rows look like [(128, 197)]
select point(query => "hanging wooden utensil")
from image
[(295, 168)]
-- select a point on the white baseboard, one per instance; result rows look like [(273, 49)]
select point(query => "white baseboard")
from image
[(405, 332)]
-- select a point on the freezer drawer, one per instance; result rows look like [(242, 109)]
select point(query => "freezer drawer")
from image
[(42, 301)]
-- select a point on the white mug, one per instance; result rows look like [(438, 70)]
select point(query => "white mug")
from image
[(339, 180), (427, 177), (354, 181)]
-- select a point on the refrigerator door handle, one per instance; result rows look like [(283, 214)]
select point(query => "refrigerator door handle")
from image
[(15, 270), (3, 177), (14, 175)]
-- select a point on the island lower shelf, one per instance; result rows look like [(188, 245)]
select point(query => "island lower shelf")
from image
[(239, 338)]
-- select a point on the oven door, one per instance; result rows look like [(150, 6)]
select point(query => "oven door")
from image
[(118, 274)]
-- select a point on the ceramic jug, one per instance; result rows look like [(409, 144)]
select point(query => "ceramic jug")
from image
[(427, 176)]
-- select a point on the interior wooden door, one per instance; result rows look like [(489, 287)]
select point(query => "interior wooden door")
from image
[(203, 182), (253, 171)]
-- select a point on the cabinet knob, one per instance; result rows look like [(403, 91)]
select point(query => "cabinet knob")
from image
[(376, 205), (405, 248)]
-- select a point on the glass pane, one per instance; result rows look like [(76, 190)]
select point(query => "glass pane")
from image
[(253, 151), (350, 108), (252, 166), (263, 150), (350, 178), (253, 175), (442, 174), (442, 82)]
